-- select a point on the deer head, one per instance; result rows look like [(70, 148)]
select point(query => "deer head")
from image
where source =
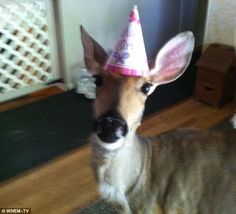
[(120, 100)]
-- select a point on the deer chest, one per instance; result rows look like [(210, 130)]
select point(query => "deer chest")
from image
[(216, 75)]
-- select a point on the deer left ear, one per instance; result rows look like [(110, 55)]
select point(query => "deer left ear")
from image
[(172, 59), (94, 55)]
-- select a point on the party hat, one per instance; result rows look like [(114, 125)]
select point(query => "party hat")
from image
[(129, 56)]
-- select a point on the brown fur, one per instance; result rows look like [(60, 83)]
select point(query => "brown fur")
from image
[(124, 95), (183, 171)]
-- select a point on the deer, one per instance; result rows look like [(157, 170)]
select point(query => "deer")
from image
[(186, 170)]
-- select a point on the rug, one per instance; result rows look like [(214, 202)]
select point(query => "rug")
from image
[(99, 207), (38, 132), (226, 124)]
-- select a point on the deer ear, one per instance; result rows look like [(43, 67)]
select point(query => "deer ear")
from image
[(172, 59), (94, 55)]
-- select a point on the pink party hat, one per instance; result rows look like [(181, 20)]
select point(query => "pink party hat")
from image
[(129, 56)]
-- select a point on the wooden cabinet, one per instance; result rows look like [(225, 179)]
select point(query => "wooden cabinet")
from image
[(216, 75)]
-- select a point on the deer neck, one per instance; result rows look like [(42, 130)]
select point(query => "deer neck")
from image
[(126, 162)]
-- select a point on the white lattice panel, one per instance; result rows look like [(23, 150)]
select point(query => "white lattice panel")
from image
[(25, 57)]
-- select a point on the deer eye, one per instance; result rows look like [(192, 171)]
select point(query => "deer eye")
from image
[(98, 80), (146, 87)]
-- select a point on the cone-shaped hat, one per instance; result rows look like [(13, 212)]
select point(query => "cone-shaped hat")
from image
[(129, 56)]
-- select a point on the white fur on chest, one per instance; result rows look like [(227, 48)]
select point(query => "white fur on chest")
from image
[(119, 173), (111, 190)]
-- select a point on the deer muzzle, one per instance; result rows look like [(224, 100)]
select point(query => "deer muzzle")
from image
[(110, 127)]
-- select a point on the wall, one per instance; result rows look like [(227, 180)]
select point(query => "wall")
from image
[(97, 19), (104, 20), (221, 22)]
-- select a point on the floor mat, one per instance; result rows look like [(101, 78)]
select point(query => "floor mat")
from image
[(35, 133)]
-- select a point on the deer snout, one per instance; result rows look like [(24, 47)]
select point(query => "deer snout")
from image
[(110, 127)]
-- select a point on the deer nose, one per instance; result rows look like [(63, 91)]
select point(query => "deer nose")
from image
[(110, 127)]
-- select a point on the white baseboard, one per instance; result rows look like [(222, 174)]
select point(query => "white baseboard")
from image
[(21, 92)]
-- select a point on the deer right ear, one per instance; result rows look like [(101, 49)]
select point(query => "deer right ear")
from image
[(94, 55), (173, 59)]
